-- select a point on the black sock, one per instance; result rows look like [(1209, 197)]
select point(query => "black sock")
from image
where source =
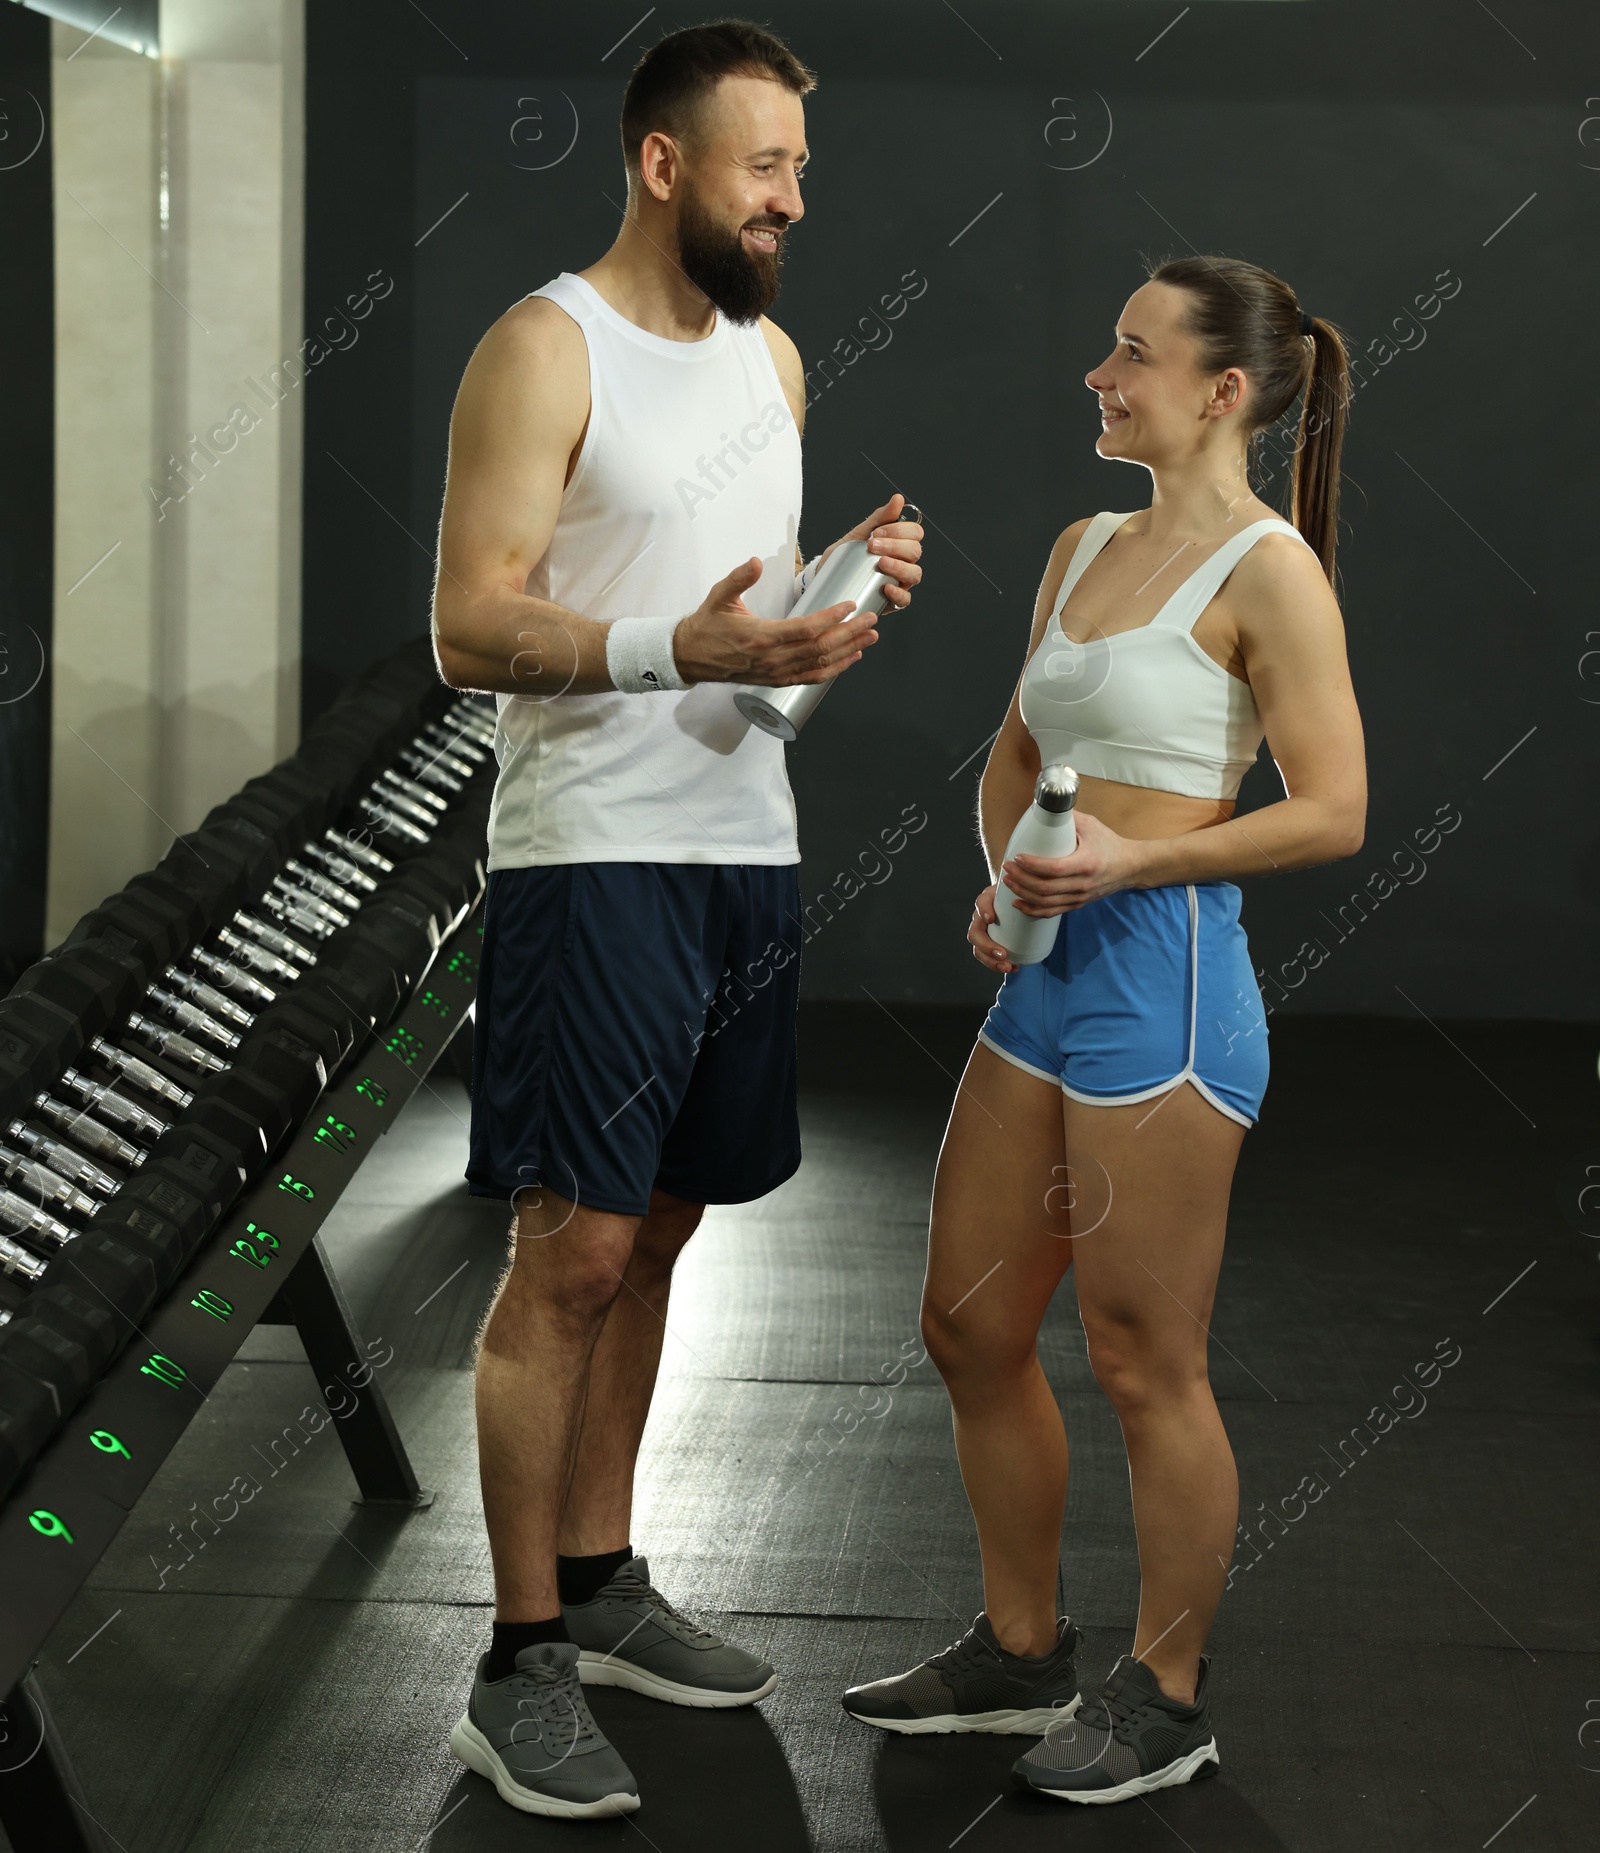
[(510, 1637), (580, 1579)]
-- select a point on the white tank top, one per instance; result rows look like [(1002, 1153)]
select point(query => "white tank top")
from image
[(690, 464), (1146, 706)]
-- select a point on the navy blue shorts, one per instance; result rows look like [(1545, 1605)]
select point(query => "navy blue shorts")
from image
[(635, 1026)]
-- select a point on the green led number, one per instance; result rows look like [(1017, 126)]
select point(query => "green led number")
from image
[(463, 964), (48, 1525), (213, 1303), (404, 1046), (256, 1246), (432, 1001), (295, 1188), (335, 1133), (107, 1443), (163, 1370), (372, 1090)]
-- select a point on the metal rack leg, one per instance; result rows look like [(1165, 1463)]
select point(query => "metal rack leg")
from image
[(311, 1300), (41, 1803)]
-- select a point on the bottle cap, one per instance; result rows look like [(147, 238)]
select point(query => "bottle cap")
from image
[(1057, 789)]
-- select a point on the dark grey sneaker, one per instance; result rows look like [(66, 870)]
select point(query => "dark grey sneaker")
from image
[(1127, 1739), (976, 1686), (532, 1736), (631, 1635)]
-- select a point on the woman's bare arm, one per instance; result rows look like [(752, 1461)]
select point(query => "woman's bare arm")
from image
[(1291, 635)]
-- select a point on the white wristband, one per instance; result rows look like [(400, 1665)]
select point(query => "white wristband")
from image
[(639, 655), (806, 574)]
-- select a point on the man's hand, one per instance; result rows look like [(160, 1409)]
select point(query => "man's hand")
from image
[(725, 641), (899, 545)]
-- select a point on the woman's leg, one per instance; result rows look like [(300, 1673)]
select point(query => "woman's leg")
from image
[(998, 1246), (1155, 1177)]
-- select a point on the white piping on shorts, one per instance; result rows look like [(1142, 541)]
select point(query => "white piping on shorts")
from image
[(1185, 1073), (1016, 1061)]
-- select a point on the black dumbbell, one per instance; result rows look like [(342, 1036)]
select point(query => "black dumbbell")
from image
[(281, 818), (27, 1421), (258, 1102), (91, 981), (211, 1150), (232, 844), (38, 1039), (299, 791), (256, 848), (398, 935), (145, 927), (290, 1070), (159, 1221), (117, 1265), (60, 1361), (158, 1195), (363, 984), (421, 887), (208, 894), (362, 729), (320, 1024), (82, 1316)]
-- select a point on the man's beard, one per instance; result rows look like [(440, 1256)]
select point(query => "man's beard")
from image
[(743, 284)]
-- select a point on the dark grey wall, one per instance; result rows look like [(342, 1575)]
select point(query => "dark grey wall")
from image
[(1364, 152), (26, 483)]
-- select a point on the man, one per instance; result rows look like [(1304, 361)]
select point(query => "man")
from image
[(619, 437)]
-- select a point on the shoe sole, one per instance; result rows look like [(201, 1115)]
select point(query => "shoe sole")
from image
[(598, 1669), (1197, 1765), (993, 1723), (472, 1748)]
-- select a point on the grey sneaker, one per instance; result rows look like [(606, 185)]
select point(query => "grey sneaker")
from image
[(976, 1686), (631, 1635), (532, 1736), (1127, 1739)]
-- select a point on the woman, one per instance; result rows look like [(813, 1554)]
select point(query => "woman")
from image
[(1101, 1114)]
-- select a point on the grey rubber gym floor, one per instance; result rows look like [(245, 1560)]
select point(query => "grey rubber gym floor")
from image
[(1413, 1663)]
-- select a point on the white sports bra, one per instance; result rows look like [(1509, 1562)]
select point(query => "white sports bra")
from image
[(1146, 706)]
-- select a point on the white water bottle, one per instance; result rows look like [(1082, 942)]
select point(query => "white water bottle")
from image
[(852, 573), (1046, 828)]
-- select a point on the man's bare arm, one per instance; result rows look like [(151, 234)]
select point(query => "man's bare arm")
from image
[(518, 416), (520, 410), (792, 377)]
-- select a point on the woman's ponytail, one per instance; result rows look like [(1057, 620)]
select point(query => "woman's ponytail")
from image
[(1314, 486)]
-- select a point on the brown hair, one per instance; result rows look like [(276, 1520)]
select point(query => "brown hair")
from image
[(1245, 317), (673, 81)]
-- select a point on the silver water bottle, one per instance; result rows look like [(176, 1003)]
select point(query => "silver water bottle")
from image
[(849, 575), (1047, 828)]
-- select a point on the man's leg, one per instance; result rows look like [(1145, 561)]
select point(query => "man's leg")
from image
[(621, 1381), (567, 1267), (629, 1634), (527, 1728)]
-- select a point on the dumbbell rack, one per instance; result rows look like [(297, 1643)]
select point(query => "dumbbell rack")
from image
[(259, 1262)]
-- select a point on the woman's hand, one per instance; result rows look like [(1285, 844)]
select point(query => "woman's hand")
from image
[(989, 953), (1102, 863)]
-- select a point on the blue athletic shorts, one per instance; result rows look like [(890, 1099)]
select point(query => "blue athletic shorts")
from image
[(1143, 989), (635, 1026)]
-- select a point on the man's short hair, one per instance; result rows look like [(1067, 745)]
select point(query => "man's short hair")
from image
[(673, 82)]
